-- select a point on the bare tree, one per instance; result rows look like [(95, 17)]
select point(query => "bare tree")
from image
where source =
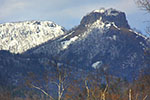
[(145, 5), (58, 75), (61, 74)]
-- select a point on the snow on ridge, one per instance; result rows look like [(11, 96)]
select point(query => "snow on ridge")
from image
[(138, 34), (20, 36)]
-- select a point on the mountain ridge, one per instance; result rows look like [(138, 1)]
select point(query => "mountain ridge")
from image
[(18, 37)]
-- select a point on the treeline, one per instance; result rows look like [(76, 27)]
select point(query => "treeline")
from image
[(59, 82)]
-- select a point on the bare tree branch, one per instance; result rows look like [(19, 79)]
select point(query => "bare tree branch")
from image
[(43, 91), (145, 97), (130, 94), (87, 89), (144, 4)]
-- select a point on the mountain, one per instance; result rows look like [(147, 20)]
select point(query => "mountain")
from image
[(21, 36), (102, 41)]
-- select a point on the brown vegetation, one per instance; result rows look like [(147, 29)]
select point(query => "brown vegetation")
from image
[(88, 88)]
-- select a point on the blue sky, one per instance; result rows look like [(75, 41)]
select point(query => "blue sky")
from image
[(68, 13)]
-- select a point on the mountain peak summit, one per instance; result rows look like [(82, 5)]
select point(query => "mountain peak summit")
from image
[(107, 15), (108, 12)]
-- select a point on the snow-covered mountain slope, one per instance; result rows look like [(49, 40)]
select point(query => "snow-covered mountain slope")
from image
[(22, 36)]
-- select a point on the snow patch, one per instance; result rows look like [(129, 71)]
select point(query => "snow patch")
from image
[(113, 23), (65, 44), (108, 12), (100, 24), (114, 37), (142, 44), (102, 10), (108, 25), (112, 12), (97, 64)]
